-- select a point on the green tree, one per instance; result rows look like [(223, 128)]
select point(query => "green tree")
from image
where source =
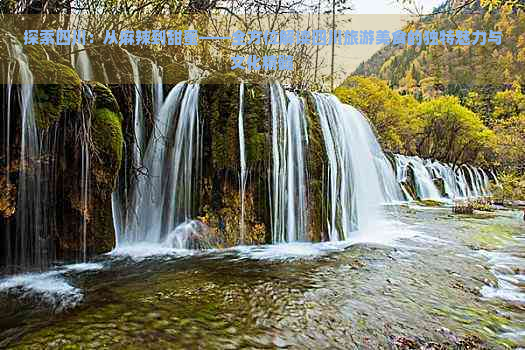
[(392, 115), (510, 142), (509, 103), (453, 133), (511, 187)]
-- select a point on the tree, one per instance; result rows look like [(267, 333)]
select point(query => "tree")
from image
[(509, 103), (510, 142), (392, 115), (511, 187), (453, 133)]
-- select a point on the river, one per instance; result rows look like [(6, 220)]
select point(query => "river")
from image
[(425, 277)]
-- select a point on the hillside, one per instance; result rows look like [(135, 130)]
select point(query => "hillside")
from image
[(450, 102), (429, 70)]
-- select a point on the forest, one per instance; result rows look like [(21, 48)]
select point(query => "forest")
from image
[(458, 104)]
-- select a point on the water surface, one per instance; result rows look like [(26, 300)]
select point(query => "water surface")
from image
[(432, 278)]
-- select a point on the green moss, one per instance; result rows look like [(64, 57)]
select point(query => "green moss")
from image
[(219, 195), (49, 100), (492, 236), (255, 124), (175, 73), (104, 98), (106, 132), (219, 106), (72, 89), (317, 168), (58, 88), (430, 203)]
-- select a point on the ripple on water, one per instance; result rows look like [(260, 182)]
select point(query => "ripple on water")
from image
[(509, 271)]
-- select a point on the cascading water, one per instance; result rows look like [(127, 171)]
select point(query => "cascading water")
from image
[(447, 174), (463, 182), (355, 164), (138, 113), (463, 186), (472, 181), (80, 60), (242, 154), (289, 172), (125, 214), (360, 178), (494, 177), (425, 187), (31, 243), (172, 159), (85, 142), (9, 73), (158, 89), (147, 221)]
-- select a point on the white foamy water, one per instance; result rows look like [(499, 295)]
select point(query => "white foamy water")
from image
[(83, 267), (510, 281), (50, 288), (145, 250), (385, 233)]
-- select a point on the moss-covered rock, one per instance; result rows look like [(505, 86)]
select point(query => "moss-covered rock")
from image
[(256, 127), (219, 106), (410, 183), (220, 199), (106, 132), (58, 88), (440, 184), (175, 73), (104, 98), (430, 203), (108, 141), (317, 170)]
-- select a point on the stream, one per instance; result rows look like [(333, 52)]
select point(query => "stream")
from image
[(435, 281)]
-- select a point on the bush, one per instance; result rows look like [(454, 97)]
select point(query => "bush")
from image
[(511, 187)]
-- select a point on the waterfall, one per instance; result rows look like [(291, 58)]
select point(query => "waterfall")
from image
[(355, 166), (84, 179), (297, 144), (462, 182), (424, 185), (172, 162), (138, 113), (81, 62), (9, 72), (495, 177), (128, 227), (148, 216), (447, 174), (158, 90), (471, 182), (486, 182), (242, 155), (289, 172), (31, 239), (360, 179)]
